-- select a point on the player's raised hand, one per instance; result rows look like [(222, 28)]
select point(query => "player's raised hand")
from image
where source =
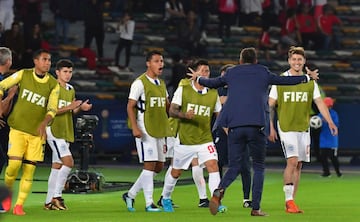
[(193, 74), (314, 74)]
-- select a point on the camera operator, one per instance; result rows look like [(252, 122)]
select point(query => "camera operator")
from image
[(60, 134)]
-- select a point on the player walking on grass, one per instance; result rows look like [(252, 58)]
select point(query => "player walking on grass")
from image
[(293, 109), (60, 134), (34, 109), (147, 111), (194, 105)]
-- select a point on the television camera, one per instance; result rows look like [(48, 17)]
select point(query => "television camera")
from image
[(81, 180)]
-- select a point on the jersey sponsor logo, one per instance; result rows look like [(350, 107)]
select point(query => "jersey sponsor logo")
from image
[(295, 96), (199, 109), (62, 103), (34, 98), (157, 101)]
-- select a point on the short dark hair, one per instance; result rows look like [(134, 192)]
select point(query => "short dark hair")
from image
[(248, 55), (226, 67), (64, 63), (38, 53), (150, 54), (197, 63)]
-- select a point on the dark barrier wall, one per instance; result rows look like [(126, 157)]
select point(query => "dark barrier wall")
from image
[(113, 136), (349, 121)]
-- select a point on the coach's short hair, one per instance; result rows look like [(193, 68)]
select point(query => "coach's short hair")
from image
[(5, 55), (248, 55)]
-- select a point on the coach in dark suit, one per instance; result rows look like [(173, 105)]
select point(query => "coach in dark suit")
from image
[(244, 114)]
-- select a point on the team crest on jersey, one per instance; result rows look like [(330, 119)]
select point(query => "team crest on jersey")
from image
[(150, 152), (291, 148)]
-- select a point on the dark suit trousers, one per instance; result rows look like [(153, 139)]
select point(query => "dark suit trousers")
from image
[(239, 140)]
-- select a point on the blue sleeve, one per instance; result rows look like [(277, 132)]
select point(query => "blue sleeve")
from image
[(334, 117), (213, 82), (286, 80)]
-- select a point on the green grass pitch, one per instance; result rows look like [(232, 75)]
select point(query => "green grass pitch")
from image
[(323, 199)]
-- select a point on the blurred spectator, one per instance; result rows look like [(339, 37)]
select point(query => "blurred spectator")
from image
[(251, 12), (94, 25), (290, 35), (117, 7), (270, 12), (14, 40), (62, 10), (318, 5), (32, 44), (126, 28), (285, 6), (178, 72), (327, 23), (6, 13), (1, 34), (174, 12), (265, 43), (190, 37), (227, 10), (290, 4), (30, 14), (310, 37), (307, 2), (203, 9), (188, 5)]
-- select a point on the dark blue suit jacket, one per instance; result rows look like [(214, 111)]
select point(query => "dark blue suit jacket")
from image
[(247, 102)]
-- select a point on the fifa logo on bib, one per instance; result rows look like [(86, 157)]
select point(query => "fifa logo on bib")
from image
[(295, 96), (33, 97), (63, 103), (199, 109), (157, 101)]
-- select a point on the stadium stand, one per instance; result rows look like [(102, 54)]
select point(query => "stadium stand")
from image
[(339, 69)]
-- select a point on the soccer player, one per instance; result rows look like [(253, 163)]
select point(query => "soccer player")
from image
[(60, 134), (147, 110), (197, 171), (194, 105), (293, 109), (34, 109)]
